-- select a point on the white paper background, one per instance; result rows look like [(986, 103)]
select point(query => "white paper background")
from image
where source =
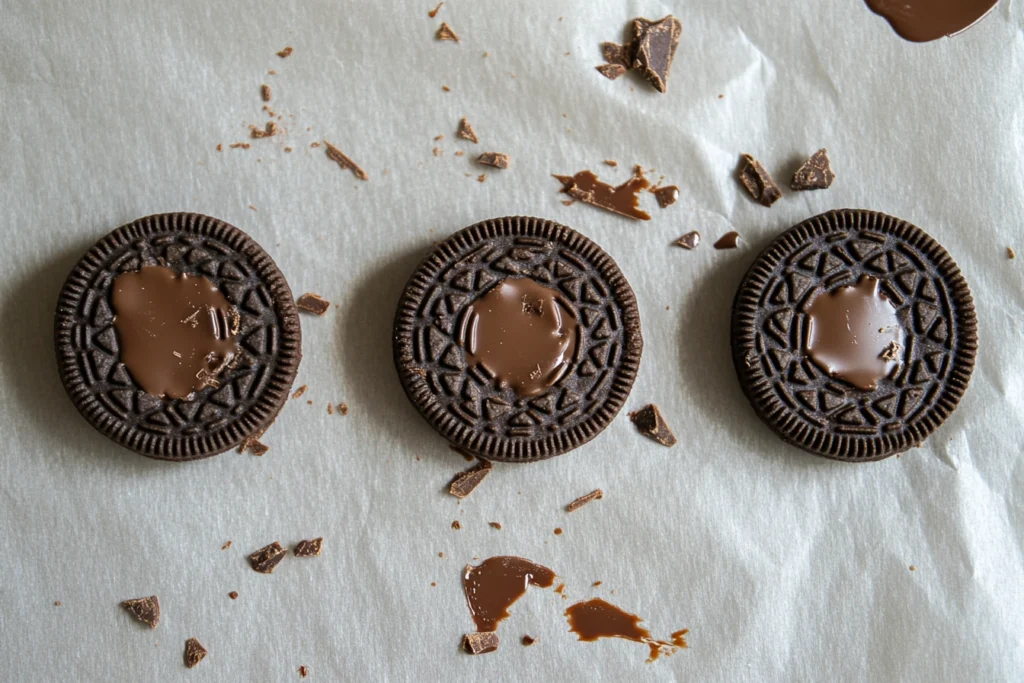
[(785, 567)]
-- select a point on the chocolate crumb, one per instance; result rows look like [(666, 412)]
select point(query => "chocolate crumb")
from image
[(560, 588), (265, 92), (303, 671), (266, 558), (558, 531), (495, 159), (271, 73), (220, 148), (666, 196), (146, 610), (194, 651), (309, 548), (528, 640), (481, 178), (309, 403), (596, 494), (654, 48), (466, 482), (445, 32), (236, 145), (433, 13), (815, 173), (495, 525), (440, 554), (346, 164), (343, 409), (285, 52), (891, 352), (480, 643), (465, 130), (57, 604), (312, 303), (757, 181), (568, 202), (611, 162), (459, 153), (1010, 253), (615, 53), (456, 525), (439, 137), (300, 391), (611, 71), (438, 151), (650, 423), (690, 240), (314, 145), (446, 88), (233, 595), (597, 583), (913, 568), (330, 409), (226, 546), (729, 240)]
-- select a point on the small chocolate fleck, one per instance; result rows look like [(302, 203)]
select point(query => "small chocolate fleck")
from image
[(265, 559), (346, 164), (528, 640), (438, 152), (689, 241), (57, 604), (611, 162), (254, 446), (465, 130), (233, 595), (220, 148), (236, 145), (596, 494), (650, 423), (495, 159), (654, 48), (611, 71), (285, 52), (439, 137), (480, 643), (146, 610), (1010, 253), (303, 671), (300, 391), (666, 196), (757, 181), (343, 409), (194, 651), (815, 173), (466, 482), (226, 546), (313, 303), (481, 178), (433, 13), (456, 525), (445, 32), (495, 525), (265, 92), (309, 548), (330, 409), (446, 88), (729, 240), (558, 531), (597, 583)]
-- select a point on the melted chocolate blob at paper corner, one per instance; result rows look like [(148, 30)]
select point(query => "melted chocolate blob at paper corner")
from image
[(494, 585), (175, 332), (523, 334), (920, 21)]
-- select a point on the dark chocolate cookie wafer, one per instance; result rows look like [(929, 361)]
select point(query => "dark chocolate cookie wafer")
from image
[(518, 339), (177, 336), (854, 335)]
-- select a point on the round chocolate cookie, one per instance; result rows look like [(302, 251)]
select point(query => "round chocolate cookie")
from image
[(854, 335), (518, 339), (177, 336)]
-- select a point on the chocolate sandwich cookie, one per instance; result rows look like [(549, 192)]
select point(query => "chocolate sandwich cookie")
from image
[(518, 339), (854, 335), (177, 336)]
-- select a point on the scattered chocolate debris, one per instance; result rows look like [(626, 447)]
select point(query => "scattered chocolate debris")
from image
[(346, 164), (650, 423), (654, 48), (343, 408), (300, 391), (495, 159), (433, 13), (1010, 253), (891, 352), (596, 494), (558, 531), (495, 525), (285, 52), (689, 241), (615, 53), (226, 546), (312, 303), (815, 173), (622, 199), (236, 145), (480, 643), (309, 548), (611, 71), (265, 559), (528, 640), (265, 92), (445, 32), (466, 482), (194, 650), (233, 595), (146, 610), (465, 130), (303, 671), (456, 525), (729, 240), (666, 196), (481, 178), (758, 182)]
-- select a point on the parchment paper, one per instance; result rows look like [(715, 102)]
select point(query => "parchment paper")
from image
[(784, 567)]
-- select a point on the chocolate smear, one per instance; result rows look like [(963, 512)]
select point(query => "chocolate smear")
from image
[(729, 240), (596, 494), (303, 671), (466, 482), (495, 159), (650, 423), (309, 548), (346, 164), (594, 619), (611, 71), (265, 559), (445, 32), (654, 48), (666, 195), (146, 610), (920, 21), (194, 652), (465, 130), (493, 586), (313, 303), (622, 199), (757, 181), (815, 173), (480, 643), (689, 241)]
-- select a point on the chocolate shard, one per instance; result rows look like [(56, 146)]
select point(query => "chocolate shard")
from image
[(654, 48), (340, 158), (650, 423), (757, 181), (611, 71), (313, 303), (528, 640), (465, 131), (309, 548), (285, 52), (194, 652), (466, 482), (480, 643), (596, 494), (445, 32), (146, 610), (815, 173), (729, 240), (265, 559), (689, 241), (666, 195), (614, 53), (495, 159)]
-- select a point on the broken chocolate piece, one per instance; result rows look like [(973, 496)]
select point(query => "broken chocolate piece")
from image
[(596, 494), (265, 92), (728, 241), (445, 32), (309, 548), (480, 643), (465, 130), (815, 173), (689, 241), (312, 303), (654, 48), (346, 164), (650, 423), (622, 199), (285, 52), (194, 650), (269, 131), (233, 595), (528, 640), (146, 610), (614, 53), (303, 670), (495, 525), (495, 159), (466, 482), (757, 181), (611, 71), (265, 559), (456, 525), (666, 196)]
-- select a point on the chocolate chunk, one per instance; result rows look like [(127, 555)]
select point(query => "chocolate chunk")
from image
[(611, 71), (233, 595), (313, 303), (654, 48), (265, 92), (285, 52), (265, 559), (622, 199), (465, 130), (445, 32), (729, 240), (495, 525), (466, 482), (145, 368), (433, 13), (689, 241), (596, 494), (614, 53), (815, 173), (194, 650), (343, 161), (495, 159), (666, 196), (146, 610), (309, 548), (480, 643), (758, 182), (650, 423), (528, 640), (841, 388)]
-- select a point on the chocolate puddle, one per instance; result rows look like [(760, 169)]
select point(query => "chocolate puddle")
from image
[(622, 199), (920, 21), (493, 586), (594, 619)]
